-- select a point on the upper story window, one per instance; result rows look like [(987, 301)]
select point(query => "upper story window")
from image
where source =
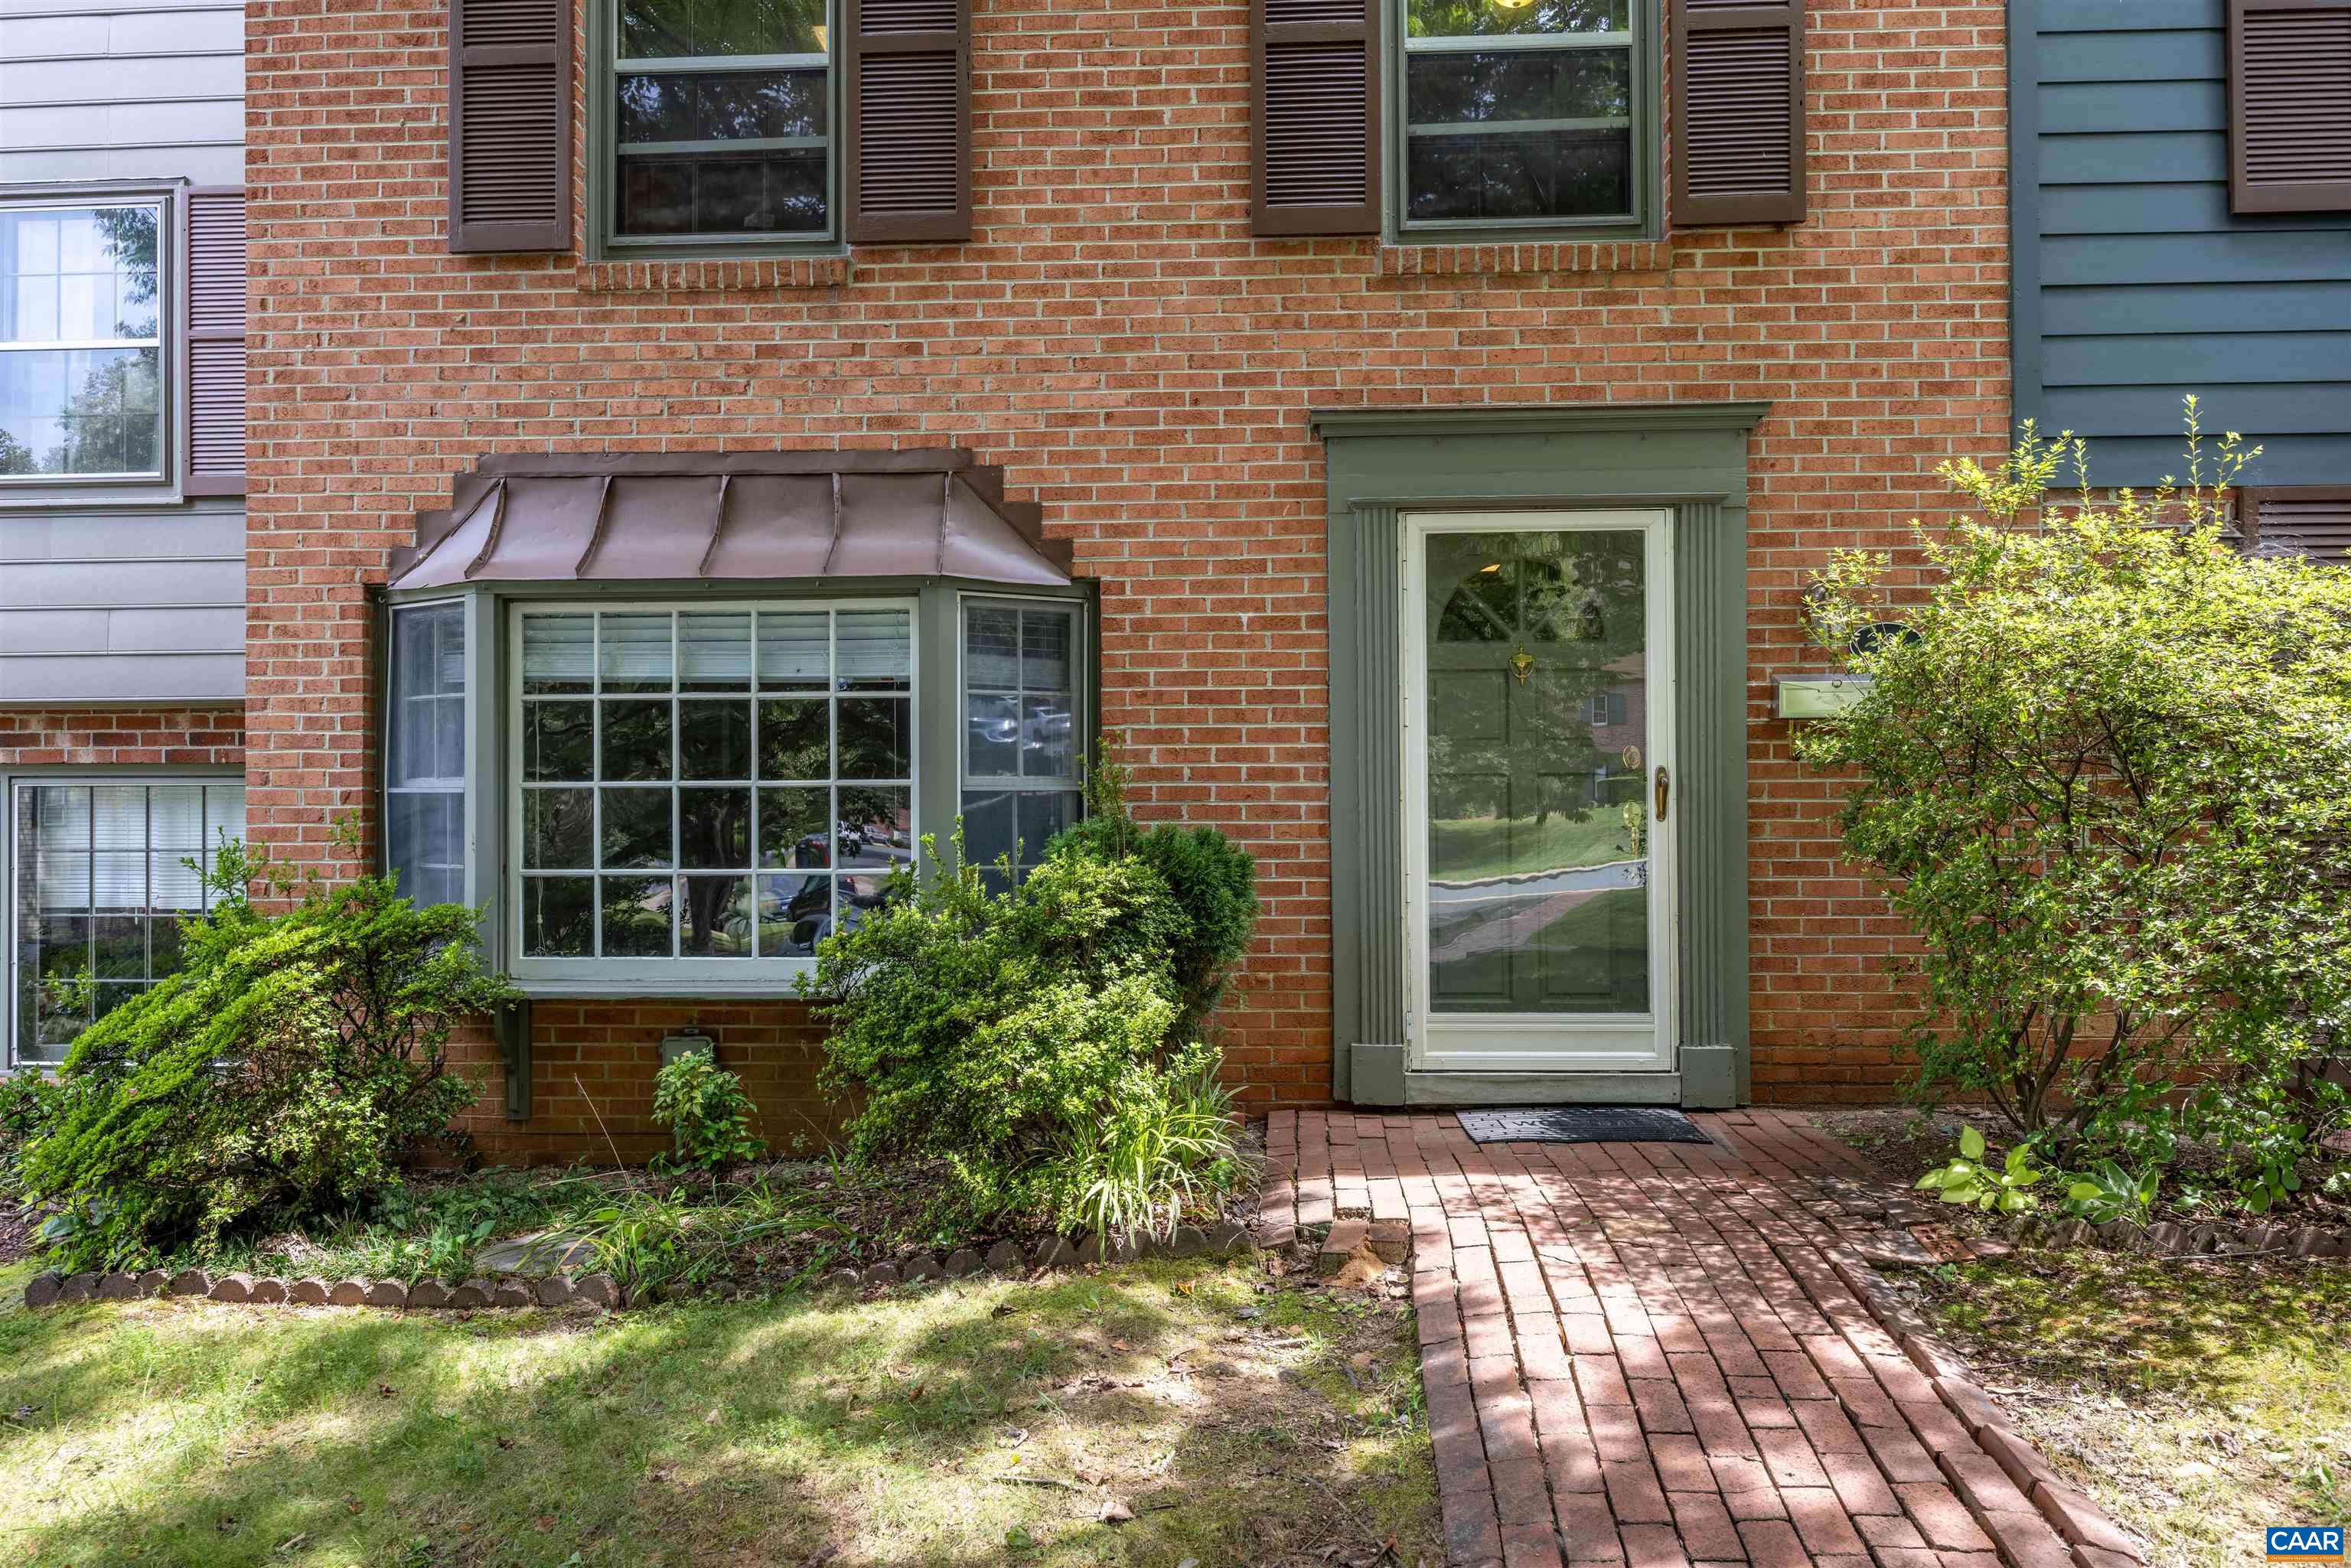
[(722, 119), (1519, 113), (81, 352)]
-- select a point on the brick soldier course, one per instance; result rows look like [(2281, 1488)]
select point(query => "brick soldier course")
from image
[(1115, 337), (1664, 1355)]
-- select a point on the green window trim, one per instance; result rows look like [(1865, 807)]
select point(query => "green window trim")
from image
[(1380, 464), (1644, 38), (606, 66)]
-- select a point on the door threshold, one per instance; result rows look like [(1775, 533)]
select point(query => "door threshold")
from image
[(1559, 1088)]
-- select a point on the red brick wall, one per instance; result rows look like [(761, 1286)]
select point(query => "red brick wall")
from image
[(122, 737), (592, 1066), (1143, 367)]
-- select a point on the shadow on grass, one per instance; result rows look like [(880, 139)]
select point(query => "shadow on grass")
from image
[(2142, 1326), (184, 1433)]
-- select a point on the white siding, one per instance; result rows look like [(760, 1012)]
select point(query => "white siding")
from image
[(121, 91), (104, 604)]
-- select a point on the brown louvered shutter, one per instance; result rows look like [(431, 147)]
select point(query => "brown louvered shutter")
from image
[(1738, 92), (2289, 106), (1315, 117), (908, 114), (212, 447), (509, 125), (2299, 521)]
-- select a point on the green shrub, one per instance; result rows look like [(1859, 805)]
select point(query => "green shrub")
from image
[(706, 1107), (2103, 780), (29, 1105), (999, 1033), (1212, 880), (291, 1065)]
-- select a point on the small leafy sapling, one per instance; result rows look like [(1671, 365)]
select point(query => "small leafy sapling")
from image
[(704, 1105), (2107, 1192), (2003, 1187)]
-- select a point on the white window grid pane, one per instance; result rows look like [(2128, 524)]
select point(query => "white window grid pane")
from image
[(788, 639), (100, 853), (56, 274)]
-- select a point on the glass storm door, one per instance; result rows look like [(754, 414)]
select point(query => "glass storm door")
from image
[(1537, 724)]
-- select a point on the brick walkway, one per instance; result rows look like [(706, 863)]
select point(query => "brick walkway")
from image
[(1661, 1355)]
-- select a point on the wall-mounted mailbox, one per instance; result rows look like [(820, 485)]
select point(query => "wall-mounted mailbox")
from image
[(1819, 696)]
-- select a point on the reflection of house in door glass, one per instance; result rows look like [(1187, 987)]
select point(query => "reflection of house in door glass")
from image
[(1537, 724)]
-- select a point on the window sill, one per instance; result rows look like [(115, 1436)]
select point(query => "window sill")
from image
[(772, 988), (1597, 258), (29, 495), (707, 275)]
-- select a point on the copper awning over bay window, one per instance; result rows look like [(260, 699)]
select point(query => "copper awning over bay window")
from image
[(731, 516)]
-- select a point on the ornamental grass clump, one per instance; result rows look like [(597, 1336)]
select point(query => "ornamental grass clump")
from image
[(2103, 772), (292, 1066), (1043, 1042)]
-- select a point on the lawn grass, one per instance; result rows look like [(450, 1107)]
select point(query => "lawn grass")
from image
[(2197, 1400), (1240, 1421)]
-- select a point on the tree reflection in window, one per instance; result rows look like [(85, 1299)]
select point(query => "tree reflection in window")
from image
[(80, 344), (1518, 112)]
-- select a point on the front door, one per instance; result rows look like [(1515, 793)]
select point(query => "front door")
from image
[(1538, 726)]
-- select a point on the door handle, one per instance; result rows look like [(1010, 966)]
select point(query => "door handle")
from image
[(1664, 787)]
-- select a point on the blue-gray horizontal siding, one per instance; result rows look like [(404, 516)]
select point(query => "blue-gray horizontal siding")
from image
[(138, 603), (122, 606), (2133, 284), (123, 90)]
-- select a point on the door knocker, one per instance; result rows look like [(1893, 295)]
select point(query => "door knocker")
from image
[(1522, 663)]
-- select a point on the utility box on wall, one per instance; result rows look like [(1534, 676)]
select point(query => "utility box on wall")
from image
[(686, 1042)]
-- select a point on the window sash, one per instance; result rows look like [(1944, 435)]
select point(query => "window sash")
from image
[(165, 280), (1647, 111), (837, 873), (605, 121), (979, 786), (1473, 44), (108, 854)]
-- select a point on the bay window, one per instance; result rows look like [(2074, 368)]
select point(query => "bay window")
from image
[(689, 796), (101, 878)]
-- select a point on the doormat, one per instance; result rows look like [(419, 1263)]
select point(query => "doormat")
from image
[(1582, 1124)]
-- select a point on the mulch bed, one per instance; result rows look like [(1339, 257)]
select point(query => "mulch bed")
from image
[(1900, 1145)]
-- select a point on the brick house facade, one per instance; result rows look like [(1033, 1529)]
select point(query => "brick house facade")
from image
[(1143, 367)]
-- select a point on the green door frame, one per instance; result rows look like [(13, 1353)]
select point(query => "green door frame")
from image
[(1689, 457)]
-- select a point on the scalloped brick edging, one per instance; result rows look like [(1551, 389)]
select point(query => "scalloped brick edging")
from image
[(2169, 1239), (49, 1288)]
